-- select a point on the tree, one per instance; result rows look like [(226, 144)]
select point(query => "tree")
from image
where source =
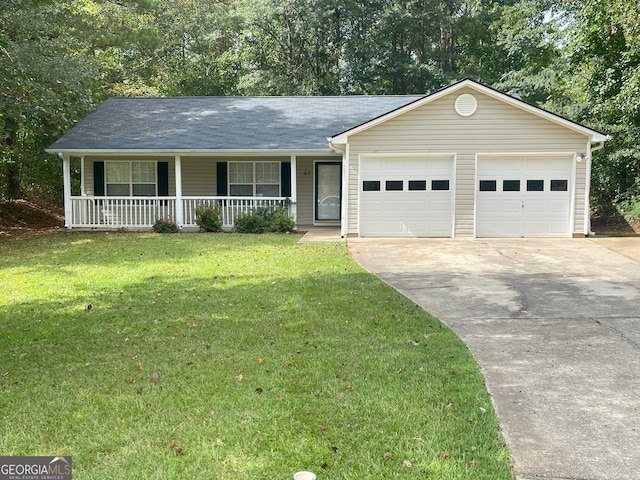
[(605, 54), (47, 81)]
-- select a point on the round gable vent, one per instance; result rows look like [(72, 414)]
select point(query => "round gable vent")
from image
[(466, 104)]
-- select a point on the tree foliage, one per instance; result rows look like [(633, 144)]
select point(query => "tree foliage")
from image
[(59, 58)]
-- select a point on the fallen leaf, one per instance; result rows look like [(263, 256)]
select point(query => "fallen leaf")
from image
[(322, 428), (214, 360), (139, 365), (139, 392), (176, 448), (334, 449), (453, 373), (407, 463), (471, 463), (155, 378), (189, 363), (258, 390), (131, 379), (386, 454), (260, 360), (6, 374), (449, 405), (446, 455), (239, 377)]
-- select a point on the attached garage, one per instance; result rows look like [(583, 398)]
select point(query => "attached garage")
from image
[(528, 196), (406, 196), (467, 161)]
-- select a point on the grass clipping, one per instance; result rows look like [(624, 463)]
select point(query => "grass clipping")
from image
[(230, 356)]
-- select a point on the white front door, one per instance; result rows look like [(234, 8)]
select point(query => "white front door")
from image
[(523, 197)]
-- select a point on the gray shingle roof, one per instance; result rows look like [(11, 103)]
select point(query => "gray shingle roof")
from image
[(223, 123)]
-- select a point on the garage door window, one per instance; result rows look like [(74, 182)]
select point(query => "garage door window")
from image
[(558, 185), (535, 185), (394, 185), (371, 186), (439, 184), (511, 185), (417, 184), (487, 185)]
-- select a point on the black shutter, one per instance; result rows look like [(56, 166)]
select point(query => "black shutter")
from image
[(285, 179), (98, 179), (221, 172), (163, 179)]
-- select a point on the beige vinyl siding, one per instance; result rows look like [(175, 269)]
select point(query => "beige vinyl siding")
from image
[(199, 176), (436, 128), (304, 178)]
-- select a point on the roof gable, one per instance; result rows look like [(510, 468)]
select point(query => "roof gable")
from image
[(594, 135)]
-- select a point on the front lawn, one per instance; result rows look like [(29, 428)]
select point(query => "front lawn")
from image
[(230, 356)]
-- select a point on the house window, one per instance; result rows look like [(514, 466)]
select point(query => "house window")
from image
[(127, 179), (254, 179)]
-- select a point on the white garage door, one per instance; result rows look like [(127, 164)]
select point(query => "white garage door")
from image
[(523, 197), (406, 197)]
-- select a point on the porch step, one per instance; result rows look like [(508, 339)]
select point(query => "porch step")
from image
[(320, 235)]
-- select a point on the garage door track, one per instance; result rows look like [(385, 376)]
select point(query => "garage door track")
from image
[(555, 327)]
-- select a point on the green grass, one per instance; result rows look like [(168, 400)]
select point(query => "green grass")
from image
[(271, 357)]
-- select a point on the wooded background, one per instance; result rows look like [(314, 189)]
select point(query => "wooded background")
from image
[(61, 58)]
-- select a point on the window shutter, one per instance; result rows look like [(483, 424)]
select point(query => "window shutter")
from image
[(98, 179), (221, 172), (163, 179), (285, 179)]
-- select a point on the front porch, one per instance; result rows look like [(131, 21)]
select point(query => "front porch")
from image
[(133, 192)]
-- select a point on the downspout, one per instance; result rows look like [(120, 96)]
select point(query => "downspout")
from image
[(587, 202), (344, 194)]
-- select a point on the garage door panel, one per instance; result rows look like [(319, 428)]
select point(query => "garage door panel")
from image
[(417, 212), (535, 210)]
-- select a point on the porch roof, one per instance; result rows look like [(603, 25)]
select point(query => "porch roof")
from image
[(202, 124)]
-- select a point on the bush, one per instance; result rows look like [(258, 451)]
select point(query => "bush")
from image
[(208, 218), (281, 223), (251, 223), (165, 226), (263, 220)]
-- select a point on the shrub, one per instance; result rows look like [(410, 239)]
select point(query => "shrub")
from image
[(265, 219), (165, 226), (208, 218), (251, 223), (281, 223)]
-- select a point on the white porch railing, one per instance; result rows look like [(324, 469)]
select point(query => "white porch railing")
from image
[(230, 207), (142, 212)]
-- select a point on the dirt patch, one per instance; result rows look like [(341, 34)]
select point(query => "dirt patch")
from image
[(21, 217), (614, 225)]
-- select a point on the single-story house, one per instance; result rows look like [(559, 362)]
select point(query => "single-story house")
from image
[(465, 161)]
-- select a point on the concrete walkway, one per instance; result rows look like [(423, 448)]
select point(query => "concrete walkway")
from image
[(555, 327)]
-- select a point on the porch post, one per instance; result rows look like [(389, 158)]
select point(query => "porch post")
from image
[(294, 189), (66, 176), (83, 192), (179, 214)]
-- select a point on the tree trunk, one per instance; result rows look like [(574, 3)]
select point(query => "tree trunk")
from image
[(12, 189)]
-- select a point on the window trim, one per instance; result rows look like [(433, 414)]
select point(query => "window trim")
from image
[(254, 184), (130, 183)]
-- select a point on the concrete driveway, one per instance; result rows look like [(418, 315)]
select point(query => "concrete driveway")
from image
[(555, 327)]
